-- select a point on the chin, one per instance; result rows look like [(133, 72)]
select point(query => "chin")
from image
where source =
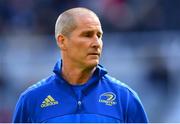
[(93, 63)]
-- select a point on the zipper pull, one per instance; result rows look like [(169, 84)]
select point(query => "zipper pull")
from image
[(79, 104)]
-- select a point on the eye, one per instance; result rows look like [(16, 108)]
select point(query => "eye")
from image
[(88, 34), (99, 35)]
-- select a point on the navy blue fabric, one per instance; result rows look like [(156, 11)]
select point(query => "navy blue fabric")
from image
[(101, 99)]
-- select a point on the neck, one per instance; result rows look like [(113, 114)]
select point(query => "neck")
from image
[(75, 75)]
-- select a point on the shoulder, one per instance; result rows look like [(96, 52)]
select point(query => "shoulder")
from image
[(38, 87), (119, 86), (34, 93), (115, 82), (30, 98)]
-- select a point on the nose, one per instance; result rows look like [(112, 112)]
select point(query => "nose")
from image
[(97, 42)]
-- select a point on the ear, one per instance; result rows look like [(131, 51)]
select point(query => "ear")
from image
[(61, 42)]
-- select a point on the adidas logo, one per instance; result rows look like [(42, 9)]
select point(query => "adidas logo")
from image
[(49, 101)]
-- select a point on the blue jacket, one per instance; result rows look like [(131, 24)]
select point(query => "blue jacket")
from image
[(101, 99)]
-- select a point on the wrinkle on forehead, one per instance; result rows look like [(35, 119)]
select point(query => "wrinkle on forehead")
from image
[(81, 13), (88, 20), (84, 17)]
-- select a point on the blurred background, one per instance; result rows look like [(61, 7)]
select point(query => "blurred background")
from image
[(141, 48)]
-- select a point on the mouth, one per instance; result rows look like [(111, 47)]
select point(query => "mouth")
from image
[(96, 54)]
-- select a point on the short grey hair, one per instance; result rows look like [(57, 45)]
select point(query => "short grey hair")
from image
[(66, 21)]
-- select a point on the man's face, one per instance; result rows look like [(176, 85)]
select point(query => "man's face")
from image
[(84, 45)]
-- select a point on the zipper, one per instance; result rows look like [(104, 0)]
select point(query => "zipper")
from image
[(79, 105), (78, 97)]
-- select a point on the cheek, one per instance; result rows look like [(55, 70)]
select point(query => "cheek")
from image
[(101, 44), (78, 48)]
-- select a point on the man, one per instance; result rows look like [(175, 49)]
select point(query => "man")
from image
[(80, 90)]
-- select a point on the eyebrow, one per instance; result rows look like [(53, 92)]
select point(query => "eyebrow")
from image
[(91, 31)]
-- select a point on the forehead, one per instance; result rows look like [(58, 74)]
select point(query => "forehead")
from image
[(88, 22)]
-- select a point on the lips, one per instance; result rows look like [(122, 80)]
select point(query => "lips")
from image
[(98, 54)]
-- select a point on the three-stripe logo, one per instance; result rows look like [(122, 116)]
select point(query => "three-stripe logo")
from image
[(49, 101)]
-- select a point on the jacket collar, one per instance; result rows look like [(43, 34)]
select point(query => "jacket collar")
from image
[(98, 73)]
